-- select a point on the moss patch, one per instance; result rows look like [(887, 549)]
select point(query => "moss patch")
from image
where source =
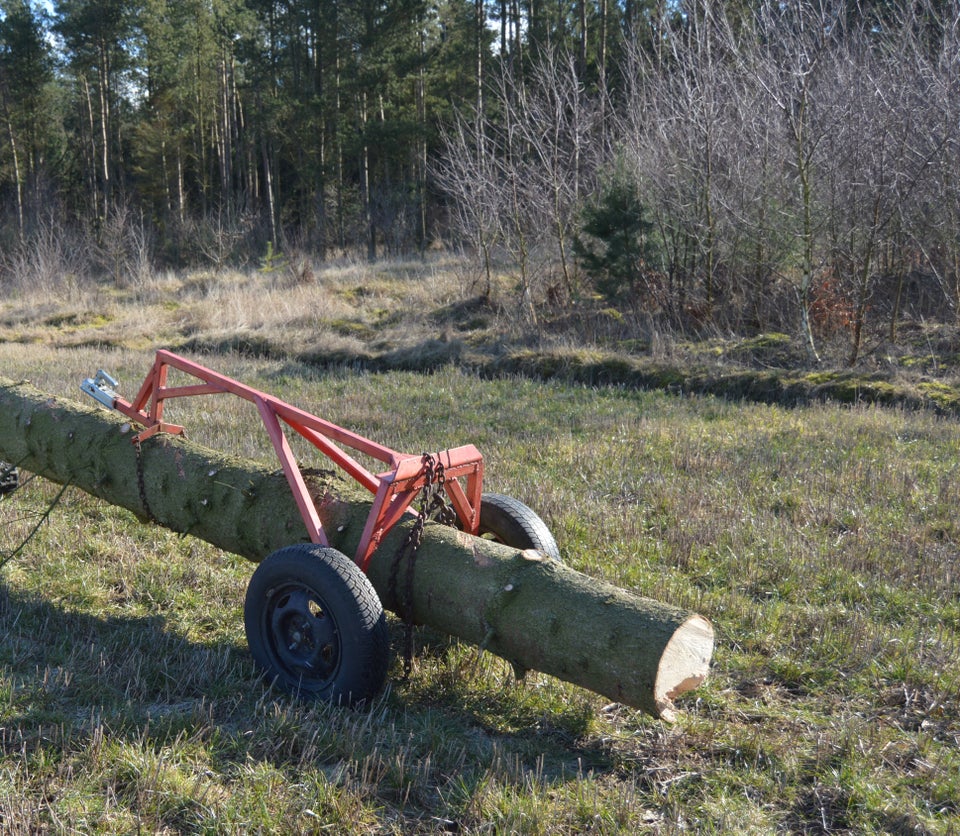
[(943, 395)]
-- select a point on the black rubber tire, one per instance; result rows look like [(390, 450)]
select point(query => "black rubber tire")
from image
[(507, 520), (315, 624)]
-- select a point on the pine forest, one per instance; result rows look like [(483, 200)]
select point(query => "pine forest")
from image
[(752, 164)]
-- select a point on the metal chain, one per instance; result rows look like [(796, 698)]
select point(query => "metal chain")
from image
[(142, 485), (432, 504), (439, 509), (6, 558)]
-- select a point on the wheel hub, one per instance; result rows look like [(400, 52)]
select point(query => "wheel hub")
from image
[(305, 636)]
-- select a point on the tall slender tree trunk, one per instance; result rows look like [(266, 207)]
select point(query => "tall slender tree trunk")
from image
[(365, 195), (806, 208), (504, 24), (319, 114), (105, 118), (582, 37), (200, 145), (338, 139), (602, 58), (181, 188), (479, 22), (93, 155), (225, 146), (367, 198), (421, 144), (17, 175), (709, 288), (268, 186), (516, 51)]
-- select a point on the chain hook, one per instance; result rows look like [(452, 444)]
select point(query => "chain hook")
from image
[(432, 504)]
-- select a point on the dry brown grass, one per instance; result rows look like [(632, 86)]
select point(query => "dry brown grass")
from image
[(343, 307)]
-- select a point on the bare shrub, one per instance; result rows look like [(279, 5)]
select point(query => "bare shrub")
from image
[(219, 240), (805, 139), (124, 246), (52, 260), (515, 181), (467, 173)]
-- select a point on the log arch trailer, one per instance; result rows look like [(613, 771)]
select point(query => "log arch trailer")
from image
[(312, 619), (489, 573)]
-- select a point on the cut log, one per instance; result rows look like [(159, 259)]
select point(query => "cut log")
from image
[(531, 610)]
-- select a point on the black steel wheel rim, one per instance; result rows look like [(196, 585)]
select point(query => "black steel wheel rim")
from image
[(303, 635)]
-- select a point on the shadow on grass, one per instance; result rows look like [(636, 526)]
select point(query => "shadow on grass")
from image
[(59, 665), (68, 677)]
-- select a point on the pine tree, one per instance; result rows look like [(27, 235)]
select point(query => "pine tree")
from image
[(26, 68), (97, 38)]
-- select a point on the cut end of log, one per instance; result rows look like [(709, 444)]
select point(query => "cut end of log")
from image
[(684, 664)]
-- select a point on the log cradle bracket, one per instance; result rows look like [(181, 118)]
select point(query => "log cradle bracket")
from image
[(490, 573)]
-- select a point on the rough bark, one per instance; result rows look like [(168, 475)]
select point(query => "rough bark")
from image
[(533, 611)]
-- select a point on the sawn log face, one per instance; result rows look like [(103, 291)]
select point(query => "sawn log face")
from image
[(533, 611)]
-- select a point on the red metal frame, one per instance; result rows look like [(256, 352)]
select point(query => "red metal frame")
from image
[(394, 490)]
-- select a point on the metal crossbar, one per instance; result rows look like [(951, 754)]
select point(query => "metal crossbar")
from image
[(394, 490)]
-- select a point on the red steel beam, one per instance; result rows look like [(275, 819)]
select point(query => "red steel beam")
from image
[(394, 490)]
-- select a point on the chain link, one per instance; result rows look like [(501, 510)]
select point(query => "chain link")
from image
[(142, 485), (439, 509)]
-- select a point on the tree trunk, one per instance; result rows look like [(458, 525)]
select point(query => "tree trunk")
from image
[(106, 118), (17, 176), (531, 610)]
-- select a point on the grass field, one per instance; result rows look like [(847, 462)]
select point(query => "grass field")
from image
[(821, 541)]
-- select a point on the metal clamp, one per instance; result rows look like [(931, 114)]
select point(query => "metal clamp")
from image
[(101, 388)]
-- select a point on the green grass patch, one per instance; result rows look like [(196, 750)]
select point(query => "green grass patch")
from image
[(818, 539)]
